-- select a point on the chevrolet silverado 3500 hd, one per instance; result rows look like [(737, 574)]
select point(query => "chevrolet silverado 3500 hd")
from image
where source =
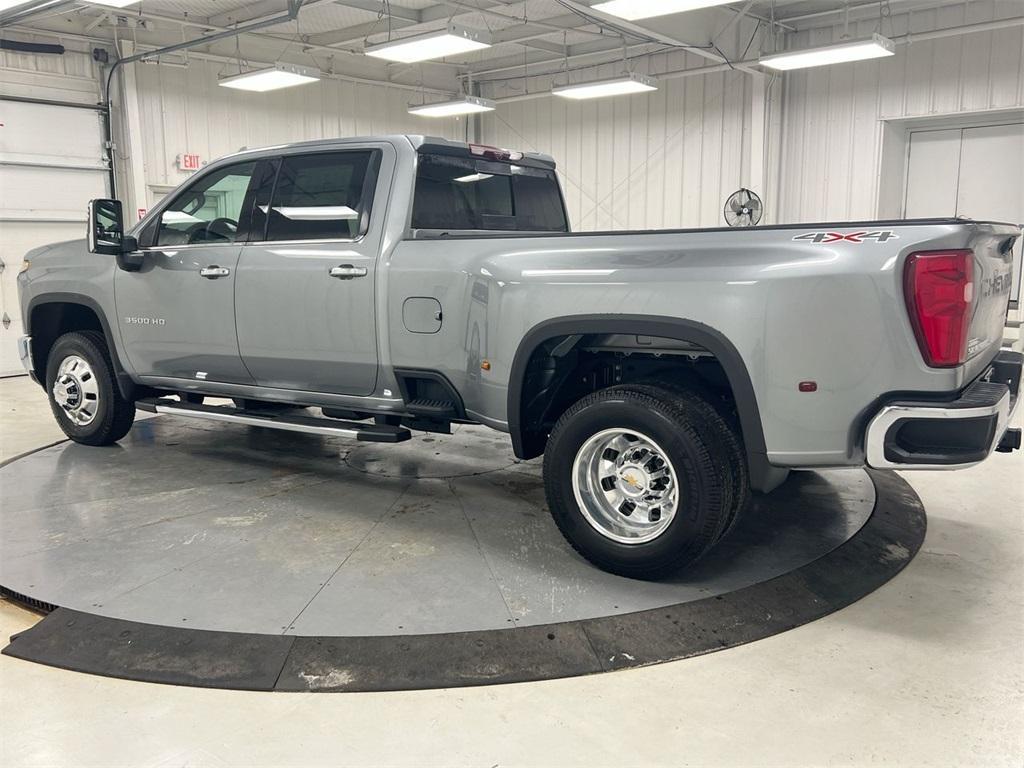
[(407, 282)]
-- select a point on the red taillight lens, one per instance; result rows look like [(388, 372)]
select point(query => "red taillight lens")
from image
[(939, 289)]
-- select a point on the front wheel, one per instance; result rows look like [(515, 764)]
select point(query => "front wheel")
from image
[(82, 390), (638, 480)]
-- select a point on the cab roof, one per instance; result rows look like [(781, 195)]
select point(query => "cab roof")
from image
[(417, 141)]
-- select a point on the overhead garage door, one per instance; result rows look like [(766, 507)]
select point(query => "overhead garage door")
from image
[(52, 162), (974, 172)]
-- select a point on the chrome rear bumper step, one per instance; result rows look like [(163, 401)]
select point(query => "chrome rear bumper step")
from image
[(376, 433)]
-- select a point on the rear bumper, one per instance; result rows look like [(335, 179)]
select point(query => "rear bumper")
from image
[(908, 434)]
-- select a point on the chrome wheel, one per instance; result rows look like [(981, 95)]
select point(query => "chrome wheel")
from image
[(76, 390), (625, 486)]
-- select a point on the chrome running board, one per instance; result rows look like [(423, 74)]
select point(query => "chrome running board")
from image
[(377, 433)]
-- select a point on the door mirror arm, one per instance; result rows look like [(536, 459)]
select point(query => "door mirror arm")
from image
[(130, 257)]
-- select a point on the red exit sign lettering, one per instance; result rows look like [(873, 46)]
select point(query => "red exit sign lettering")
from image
[(189, 162)]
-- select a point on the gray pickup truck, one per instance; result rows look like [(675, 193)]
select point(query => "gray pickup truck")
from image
[(410, 283)]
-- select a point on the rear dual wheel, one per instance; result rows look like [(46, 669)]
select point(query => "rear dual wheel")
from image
[(642, 480)]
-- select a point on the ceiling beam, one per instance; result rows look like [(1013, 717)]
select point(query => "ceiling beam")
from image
[(375, 6), (544, 45), (22, 12), (358, 32), (617, 23), (258, 11), (563, 23), (512, 64), (205, 26), (521, 31)]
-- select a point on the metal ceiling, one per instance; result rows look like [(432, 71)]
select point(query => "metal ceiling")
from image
[(537, 34)]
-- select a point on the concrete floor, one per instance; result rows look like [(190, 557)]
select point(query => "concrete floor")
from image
[(928, 670)]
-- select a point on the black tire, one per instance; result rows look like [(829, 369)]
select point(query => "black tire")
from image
[(694, 447), (114, 414), (726, 424)]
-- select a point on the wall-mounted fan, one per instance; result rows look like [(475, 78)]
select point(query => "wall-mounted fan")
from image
[(743, 209)]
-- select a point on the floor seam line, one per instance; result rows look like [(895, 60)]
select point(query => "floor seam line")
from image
[(490, 569), (590, 644), (218, 553), (284, 662), (334, 573)]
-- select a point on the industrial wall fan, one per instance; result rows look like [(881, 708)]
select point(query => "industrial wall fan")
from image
[(743, 209)]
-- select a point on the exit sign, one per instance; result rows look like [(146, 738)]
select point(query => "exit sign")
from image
[(189, 162)]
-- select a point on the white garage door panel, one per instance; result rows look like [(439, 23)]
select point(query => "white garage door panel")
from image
[(43, 133), (975, 172), (996, 189), (48, 193), (932, 173), (16, 239), (51, 164)]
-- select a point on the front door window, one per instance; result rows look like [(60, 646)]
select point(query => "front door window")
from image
[(207, 212)]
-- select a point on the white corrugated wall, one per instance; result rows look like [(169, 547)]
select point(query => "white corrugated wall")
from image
[(658, 160), (670, 158), (184, 110), (666, 159), (831, 158)]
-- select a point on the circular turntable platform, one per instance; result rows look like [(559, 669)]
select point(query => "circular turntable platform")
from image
[(343, 565)]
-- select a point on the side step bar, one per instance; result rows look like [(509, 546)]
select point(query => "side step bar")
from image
[(377, 433)]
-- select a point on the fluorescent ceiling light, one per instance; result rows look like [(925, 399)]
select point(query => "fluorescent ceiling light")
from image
[(645, 9), (466, 105), (475, 177), (431, 45), (28, 5), (631, 83), (874, 47), (271, 78), (114, 3)]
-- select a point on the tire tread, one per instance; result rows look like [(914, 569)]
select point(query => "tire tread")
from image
[(118, 421), (713, 471)]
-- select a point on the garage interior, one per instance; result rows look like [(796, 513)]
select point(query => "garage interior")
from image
[(921, 665)]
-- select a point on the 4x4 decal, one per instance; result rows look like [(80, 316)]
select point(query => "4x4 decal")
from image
[(879, 236)]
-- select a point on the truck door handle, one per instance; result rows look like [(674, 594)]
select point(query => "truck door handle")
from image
[(347, 272), (212, 272)]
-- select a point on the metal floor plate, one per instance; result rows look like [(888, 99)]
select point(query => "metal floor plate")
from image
[(239, 529)]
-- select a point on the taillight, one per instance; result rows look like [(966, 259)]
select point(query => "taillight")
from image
[(939, 289)]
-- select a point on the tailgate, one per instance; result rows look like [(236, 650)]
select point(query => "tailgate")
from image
[(993, 264)]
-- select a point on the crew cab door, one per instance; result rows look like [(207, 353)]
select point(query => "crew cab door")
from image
[(304, 299), (176, 313)]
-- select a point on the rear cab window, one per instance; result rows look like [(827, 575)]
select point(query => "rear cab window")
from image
[(320, 196), (456, 193)]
